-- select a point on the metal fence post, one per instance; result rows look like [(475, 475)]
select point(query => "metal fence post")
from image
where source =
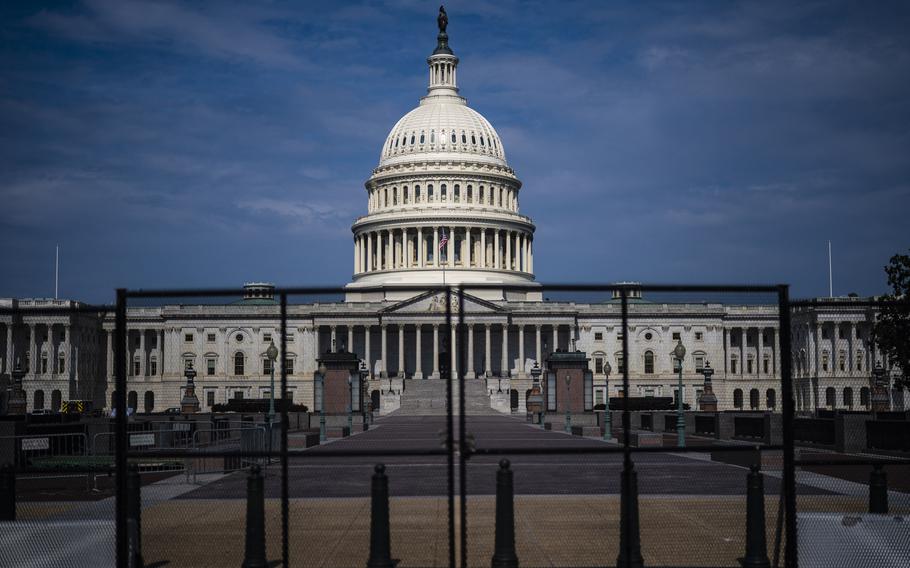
[(878, 490), (7, 493), (629, 536), (756, 545), (380, 533), (254, 554), (504, 555), (134, 522)]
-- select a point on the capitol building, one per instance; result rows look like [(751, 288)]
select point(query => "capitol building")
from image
[(442, 208)]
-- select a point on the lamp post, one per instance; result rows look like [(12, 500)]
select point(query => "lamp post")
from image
[(350, 405), (879, 392), (322, 372), (708, 400), (367, 406), (17, 401), (680, 353), (272, 354), (536, 392), (608, 423), (568, 404)]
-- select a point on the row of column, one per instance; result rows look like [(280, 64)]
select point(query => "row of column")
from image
[(439, 343), (856, 346), (33, 362), (466, 247), (143, 353), (740, 352), (383, 197)]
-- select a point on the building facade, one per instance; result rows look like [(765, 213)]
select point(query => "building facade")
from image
[(442, 209)]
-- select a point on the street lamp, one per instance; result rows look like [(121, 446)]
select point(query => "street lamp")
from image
[(536, 392), (568, 404), (272, 354), (608, 423), (322, 372), (17, 401), (708, 400), (680, 353), (879, 392), (350, 404), (367, 411)]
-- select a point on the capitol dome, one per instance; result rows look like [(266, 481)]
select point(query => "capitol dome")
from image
[(443, 202)]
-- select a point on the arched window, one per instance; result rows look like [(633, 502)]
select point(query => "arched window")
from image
[(61, 363), (457, 193), (848, 397), (432, 137), (149, 402), (412, 139), (430, 196), (842, 360), (864, 397), (464, 138), (859, 360), (473, 139), (56, 400), (470, 197), (738, 398), (238, 363), (753, 399), (649, 363), (825, 359), (830, 397), (416, 194), (620, 362), (132, 400), (396, 141), (481, 140), (442, 192), (734, 360), (404, 194), (771, 399), (454, 140), (113, 399), (39, 400), (394, 196), (421, 137)]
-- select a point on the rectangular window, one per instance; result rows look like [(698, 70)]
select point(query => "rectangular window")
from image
[(210, 398), (699, 363), (188, 337), (238, 395), (589, 390), (210, 337), (676, 336), (210, 366), (551, 392), (598, 336), (620, 364), (749, 366), (599, 396), (266, 366), (137, 342), (44, 364), (61, 365), (289, 365), (266, 337), (598, 365), (619, 336), (290, 337), (153, 367), (733, 366), (137, 369), (699, 336)]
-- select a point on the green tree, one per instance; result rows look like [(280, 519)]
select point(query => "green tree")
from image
[(892, 331)]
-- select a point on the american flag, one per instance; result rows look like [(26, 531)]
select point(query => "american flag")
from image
[(443, 241)]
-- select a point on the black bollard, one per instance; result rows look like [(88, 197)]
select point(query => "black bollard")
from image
[(756, 545), (380, 532), (7, 493), (878, 491), (504, 555), (629, 535), (134, 516), (254, 555)]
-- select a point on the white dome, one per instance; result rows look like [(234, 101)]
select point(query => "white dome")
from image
[(427, 132)]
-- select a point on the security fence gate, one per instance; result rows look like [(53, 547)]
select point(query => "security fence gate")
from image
[(600, 453)]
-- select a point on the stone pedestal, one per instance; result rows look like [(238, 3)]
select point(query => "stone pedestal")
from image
[(880, 399), (708, 400), (189, 404), (570, 395)]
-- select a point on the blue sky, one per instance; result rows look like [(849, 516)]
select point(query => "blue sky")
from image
[(190, 144)]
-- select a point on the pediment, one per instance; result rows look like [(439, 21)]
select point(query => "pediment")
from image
[(435, 303)]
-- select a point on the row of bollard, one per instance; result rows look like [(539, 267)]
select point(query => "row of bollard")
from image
[(504, 554)]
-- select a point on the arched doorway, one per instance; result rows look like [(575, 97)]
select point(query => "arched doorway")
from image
[(56, 400), (38, 403)]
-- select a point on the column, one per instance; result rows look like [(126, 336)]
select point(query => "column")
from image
[(418, 373), (389, 250), (487, 369), (142, 367), (350, 348), (742, 354), (727, 349), (369, 252), (383, 367), (453, 352), (851, 356), (356, 254), (521, 351), (378, 250), (110, 354), (334, 340), (450, 248), (406, 247), (775, 360), (32, 351), (496, 256), (508, 259), (505, 372), (401, 370), (160, 352), (366, 347), (421, 254), (436, 253), (435, 351), (469, 370), (531, 255), (760, 357), (818, 349), (537, 355), (555, 338), (467, 261), (483, 250)]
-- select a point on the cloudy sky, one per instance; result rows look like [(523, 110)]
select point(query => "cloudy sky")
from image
[(190, 144)]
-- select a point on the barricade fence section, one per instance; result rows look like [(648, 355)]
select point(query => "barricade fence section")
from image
[(620, 424)]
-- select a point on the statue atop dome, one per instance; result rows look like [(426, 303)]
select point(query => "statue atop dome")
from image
[(442, 40), (442, 20)]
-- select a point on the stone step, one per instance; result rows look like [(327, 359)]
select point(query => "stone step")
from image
[(428, 398)]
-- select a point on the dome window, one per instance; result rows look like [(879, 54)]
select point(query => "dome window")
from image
[(432, 137), (430, 192), (416, 194), (442, 192), (481, 140), (457, 193), (422, 138), (396, 141), (470, 194), (473, 140), (454, 141), (412, 139), (464, 139)]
